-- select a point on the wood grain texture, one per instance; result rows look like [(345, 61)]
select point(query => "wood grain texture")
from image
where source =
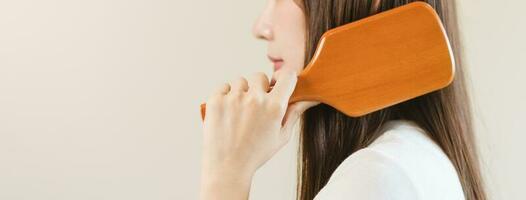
[(378, 61)]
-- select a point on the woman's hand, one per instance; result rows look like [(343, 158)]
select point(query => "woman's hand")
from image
[(244, 127)]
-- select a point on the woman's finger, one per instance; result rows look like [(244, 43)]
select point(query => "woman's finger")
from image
[(239, 85), (285, 84), (223, 89), (295, 110), (259, 82), (292, 115)]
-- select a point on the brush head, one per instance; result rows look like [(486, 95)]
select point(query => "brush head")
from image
[(379, 61)]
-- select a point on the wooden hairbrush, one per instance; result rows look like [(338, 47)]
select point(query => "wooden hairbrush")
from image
[(378, 61)]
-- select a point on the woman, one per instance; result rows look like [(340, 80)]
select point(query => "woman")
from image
[(420, 149)]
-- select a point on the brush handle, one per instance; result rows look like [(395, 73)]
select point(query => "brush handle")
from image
[(203, 111)]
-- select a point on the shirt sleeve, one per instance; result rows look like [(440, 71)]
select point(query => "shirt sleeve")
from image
[(368, 175)]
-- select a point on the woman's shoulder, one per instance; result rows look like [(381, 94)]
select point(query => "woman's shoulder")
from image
[(403, 163), (368, 175), (402, 141)]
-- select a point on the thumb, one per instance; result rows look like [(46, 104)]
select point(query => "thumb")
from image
[(292, 115)]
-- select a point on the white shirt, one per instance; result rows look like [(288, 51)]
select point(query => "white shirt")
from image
[(402, 164)]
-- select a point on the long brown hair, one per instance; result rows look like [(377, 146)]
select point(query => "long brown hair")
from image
[(329, 136)]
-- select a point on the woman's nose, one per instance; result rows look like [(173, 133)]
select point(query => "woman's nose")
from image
[(262, 28)]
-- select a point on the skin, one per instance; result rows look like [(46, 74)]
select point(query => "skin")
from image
[(245, 123)]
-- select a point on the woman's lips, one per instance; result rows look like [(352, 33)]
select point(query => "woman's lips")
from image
[(278, 62), (277, 65)]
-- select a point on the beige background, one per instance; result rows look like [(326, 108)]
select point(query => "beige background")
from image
[(99, 99)]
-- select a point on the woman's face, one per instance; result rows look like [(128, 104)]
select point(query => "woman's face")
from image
[(282, 25)]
